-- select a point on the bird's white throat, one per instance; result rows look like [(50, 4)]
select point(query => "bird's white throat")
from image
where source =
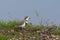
[(27, 19)]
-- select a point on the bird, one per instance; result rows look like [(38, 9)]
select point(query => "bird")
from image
[(23, 22)]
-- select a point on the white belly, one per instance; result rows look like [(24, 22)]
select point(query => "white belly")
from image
[(23, 25)]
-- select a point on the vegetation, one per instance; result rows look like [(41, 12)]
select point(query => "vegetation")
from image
[(9, 30)]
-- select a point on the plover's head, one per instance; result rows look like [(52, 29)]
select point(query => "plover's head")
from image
[(26, 18)]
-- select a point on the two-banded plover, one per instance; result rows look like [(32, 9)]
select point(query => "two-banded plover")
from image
[(23, 22)]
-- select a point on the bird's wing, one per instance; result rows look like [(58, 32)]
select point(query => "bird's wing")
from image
[(20, 23)]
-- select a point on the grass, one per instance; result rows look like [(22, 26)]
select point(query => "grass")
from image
[(2, 37), (12, 25)]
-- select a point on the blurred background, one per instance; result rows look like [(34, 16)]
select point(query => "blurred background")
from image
[(17, 9)]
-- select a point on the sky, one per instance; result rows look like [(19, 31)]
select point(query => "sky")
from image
[(48, 10)]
